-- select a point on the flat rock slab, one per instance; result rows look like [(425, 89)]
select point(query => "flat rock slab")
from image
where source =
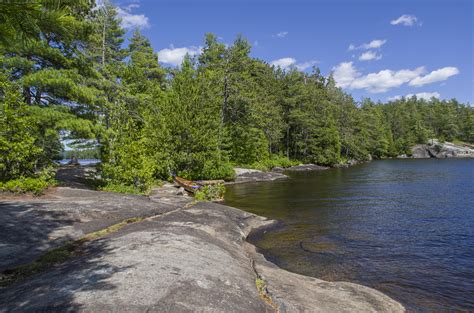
[(192, 259), (30, 226), (186, 261), (306, 167), (257, 177)]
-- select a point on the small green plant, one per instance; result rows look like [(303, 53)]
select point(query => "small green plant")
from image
[(36, 185), (262, 290), (120, 188), (260, 283), (272, 162), (210, 192)]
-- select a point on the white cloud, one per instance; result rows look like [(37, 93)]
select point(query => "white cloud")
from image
[(344, 74), (421, 95), (281, 34), (283, 62), (369, 55), (175, 56), (385, 80), (374, 44), (405, 19), (435, 76), (130, 7), (130, 20), (347, 76), (394, 98), (424, 95), (306, 65)]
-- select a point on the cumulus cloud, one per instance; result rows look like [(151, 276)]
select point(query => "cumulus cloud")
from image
[(281, 34), (306, 65), (344, 74), (394, 98), (369, 55), (374, 44), (131, 6), (405, 19), (175, 56), (435, 76), (424, 95), (130, 20), (283, 62), (421, 95), (347, 76)]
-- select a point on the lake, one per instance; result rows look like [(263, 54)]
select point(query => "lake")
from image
[(80, 161), (404, 227)]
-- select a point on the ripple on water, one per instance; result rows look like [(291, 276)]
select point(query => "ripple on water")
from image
[(404, 227)]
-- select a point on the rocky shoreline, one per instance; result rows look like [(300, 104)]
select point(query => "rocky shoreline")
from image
[(182, 256), (436, 149), (245, 175)]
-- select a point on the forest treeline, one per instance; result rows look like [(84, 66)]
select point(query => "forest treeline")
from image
[(67, 71)]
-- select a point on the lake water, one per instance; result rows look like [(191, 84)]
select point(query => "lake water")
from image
[(81, 161), (404, 227)]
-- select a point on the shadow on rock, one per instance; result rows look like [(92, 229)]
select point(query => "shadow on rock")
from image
[(26, 232), (57, 289)]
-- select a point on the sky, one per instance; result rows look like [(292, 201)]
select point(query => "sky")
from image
[(381, 49)]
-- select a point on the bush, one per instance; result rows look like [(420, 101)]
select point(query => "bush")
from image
[(273, 161), (210, 193), (36, 184), (113, 187), (25, 184), (222, 170)]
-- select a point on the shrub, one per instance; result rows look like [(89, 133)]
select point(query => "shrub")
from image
[(210, 193), (222, 170), (36, 184), (114, 187), (25, 184), (273, 161)]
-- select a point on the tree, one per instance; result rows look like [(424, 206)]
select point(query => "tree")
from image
[(193, 120), (50, 68), (18, 152)]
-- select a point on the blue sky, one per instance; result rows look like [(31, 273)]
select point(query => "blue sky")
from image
[(377, 49)]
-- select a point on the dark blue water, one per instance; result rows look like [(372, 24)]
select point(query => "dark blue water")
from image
[(404, 227)]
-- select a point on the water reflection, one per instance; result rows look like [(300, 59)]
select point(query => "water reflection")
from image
[(401, 226)]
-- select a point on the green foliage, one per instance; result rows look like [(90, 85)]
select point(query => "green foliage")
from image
[(18, 151), (249, 145), (210, 193), (272, 162), (36, 184), (68, 75), (25, 184), (82, 154), (120, 188), (127, 162)]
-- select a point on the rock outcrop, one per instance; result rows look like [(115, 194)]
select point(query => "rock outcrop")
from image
[(244, 175), (436, 149), (306, 167)]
